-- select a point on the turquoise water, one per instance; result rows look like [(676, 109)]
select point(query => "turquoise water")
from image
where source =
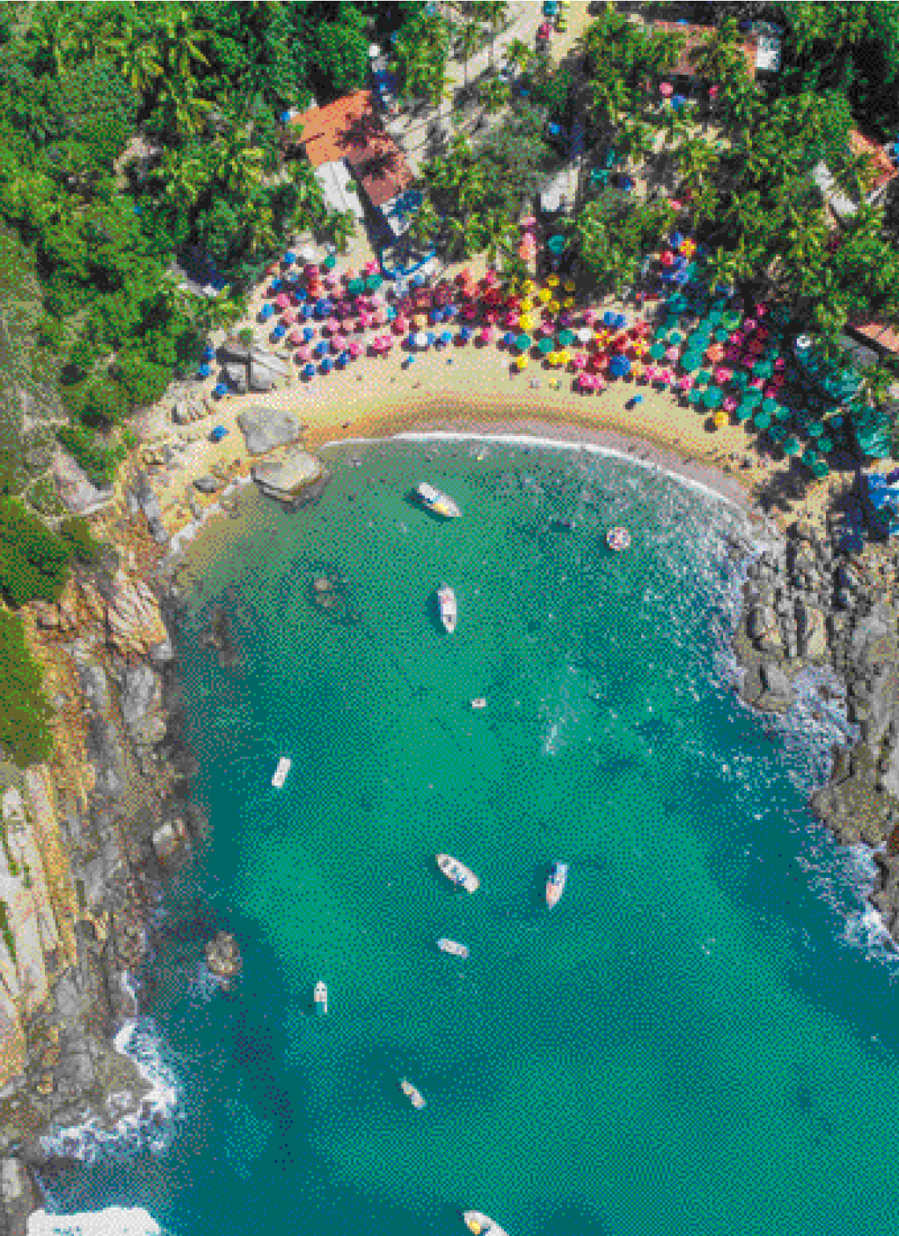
[(700, 1039)]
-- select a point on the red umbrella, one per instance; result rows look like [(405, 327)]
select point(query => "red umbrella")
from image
[(355, 347), (400, 326)]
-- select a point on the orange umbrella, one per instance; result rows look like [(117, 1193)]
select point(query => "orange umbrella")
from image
[(715, 352)]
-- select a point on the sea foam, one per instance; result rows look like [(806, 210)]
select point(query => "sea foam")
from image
[(114, 1221)]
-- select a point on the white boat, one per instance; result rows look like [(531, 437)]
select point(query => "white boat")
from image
[(618, 538), (452, 946), (414, 1095), (281, 772), (446, 602), (433, 500), (479, 702), (320, 998), (457, 873), (480, 1224), (555, 884)]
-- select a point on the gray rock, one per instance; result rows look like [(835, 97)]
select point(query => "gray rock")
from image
[(761, 620), (287, 478), (162, 653), (158, 530), (208, 484), (171, 843), (237, 377), (267, 371), (233, 349), (182, 412), (811, 630), (223, 956), (774, 681), (266, 428)]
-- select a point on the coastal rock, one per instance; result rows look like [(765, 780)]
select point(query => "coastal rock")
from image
[(141, 703), (148, 502), (223, 957), (162, 653), (287, 478), (233, 349), (264, 429), (237, 378), (760, 625), (267, 371), (775, 683), (811, 631), (171, 844), (208, 484), (134, 623), (76, 491)]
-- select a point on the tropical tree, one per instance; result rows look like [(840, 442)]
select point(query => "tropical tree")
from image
[(467, 40), (518, 56), (341, 226)]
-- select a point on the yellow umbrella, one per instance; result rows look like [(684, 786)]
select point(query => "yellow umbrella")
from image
[(420, 319), (554, 306), (521, 362), (552, 281), (637, 369), (568, 302), (526, 305), (529, 287), (544, 296), (564, 357), (720, 419), (553, 358), (640, 346), (526, 322), (569, 285)]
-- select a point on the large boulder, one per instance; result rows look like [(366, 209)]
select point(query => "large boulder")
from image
[(289, 478), (237, 377), (223, 957), (266, 428), (267, 371), (233, 349), (811, 630)]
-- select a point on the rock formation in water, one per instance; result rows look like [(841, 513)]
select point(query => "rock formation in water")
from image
[(223, 958)]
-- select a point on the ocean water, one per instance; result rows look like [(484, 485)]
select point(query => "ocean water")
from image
[(700, 1039)]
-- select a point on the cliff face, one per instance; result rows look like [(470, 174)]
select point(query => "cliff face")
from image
[(87, 840)]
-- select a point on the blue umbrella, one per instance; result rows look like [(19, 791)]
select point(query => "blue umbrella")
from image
[(266, 312), (446, 337), (677, 102), (431, 337), (325, 366), (309, 371), (204, 371), (418, 281), (675, 240), (509, 338), (208, 352), (289, 258), (619, 366), (450, 311), (464, 334), (608, 319), (275, 285), (308, 333), (321, 348), (344, 358), (220, 390), (279, 332)]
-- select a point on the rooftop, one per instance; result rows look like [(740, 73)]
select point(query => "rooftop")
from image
[(882, 161), (883, 336), (694, 37), (351, 129)]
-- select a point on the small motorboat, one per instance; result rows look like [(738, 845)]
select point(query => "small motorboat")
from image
[(479, 702), (320, 998), (433, 500), (555, 884), (480, 1224), (281, 772), (618, 538), (453, 947), (446, 603), (457, 873), (414, 1095)]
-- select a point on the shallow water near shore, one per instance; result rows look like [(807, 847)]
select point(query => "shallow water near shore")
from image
[(701, 1035)]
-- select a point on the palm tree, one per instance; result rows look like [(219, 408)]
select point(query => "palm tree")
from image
[(494, 94), (425, 224), (341, 226), (875, 383), (518, 56), (498, 235), (468, 39)]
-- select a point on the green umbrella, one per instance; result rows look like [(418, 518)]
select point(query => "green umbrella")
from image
[(704, 377), (731, 320), (556, 244), (355, 286), (815, 429), (695, 396), (330, 262), (743, 413), (689, 362), (769, 405), (676, 338), (821, 469), (825, 445), (792, 446), (740, 380), (763, 369), (781, 413), (523, 342), (810, 456), (761, 420), (566, 338), (546, 346), (836, 422), (714, 396), (752, 398), (677, 304), (777, 432), (373, 282), (722, 335), (657, 351)]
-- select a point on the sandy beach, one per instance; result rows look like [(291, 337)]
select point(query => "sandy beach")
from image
[(472, 388)]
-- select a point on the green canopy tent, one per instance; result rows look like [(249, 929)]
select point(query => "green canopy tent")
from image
[(704, 377), (781, 413), (355, 287), (523, 342), (695, 396), (657, 351), (752, 399), (762, 369), (761, 420), (713, 397), (373, 282), (743, 414), (792, 446), (546, 346), (567, 338), (690, 362), (769, 405), (740, 380)]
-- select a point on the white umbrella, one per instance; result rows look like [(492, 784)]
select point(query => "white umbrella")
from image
[(420, 340), (585, 334), (374, 51), (307, 253)]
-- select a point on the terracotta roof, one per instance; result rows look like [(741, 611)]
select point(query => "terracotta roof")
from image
[(696, 35), (351, 129), (884, 336), (882, 161)]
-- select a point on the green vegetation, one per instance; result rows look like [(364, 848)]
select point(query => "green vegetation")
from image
[(6, 930), (24, 710), (76, 531), (97, 459), (34, 561)]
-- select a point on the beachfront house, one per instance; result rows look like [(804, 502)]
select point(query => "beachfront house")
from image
[(839, 205), (358, 164)]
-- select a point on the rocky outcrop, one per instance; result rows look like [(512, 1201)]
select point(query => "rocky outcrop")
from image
[(254, 368), (295, 477), (223, 958), (264, 429), (142, 498), (76, 491)]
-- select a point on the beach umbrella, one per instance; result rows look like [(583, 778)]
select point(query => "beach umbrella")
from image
[(523, 342), (556, 244), (545, 346), (810, 456), (419, 339), (821, 469), (321, 348), (326, 365), (304, 353), (695, 397), (704, 377), (355, 286), (777, 433), (552, 281), (657, 351), (204, 371), (720, 420), (763, 369), (761, 420), (584, 335), (619, 366), (521, 362), (464, 335), (309, 371), (373, 282), (527, 321), (685, 383), (825, 445), (566, 338), (338, 343), (769, 405), (266, 312), (355, 348), (713, 397), (742, 413), (690, 362), (445, 336)]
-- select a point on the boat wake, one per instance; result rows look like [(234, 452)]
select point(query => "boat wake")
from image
[(113, 1221)]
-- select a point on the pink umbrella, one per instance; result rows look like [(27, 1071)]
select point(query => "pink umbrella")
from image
[(295, 337), (529, 221), (338, 343), (546, 328), (672, 353), (371, 268), (487, 335), (685, 383), (282, 301), (584, 381), (470, 312), (590, 316), (512, 319), (332, 326), (757, 383), (348, 325), (379, 317), (365, 321), (666, 90), (304, 353), (723, 375), (310, 272), (331, 281), (580, 360), (288, 317), (355, 347), (731, 403)]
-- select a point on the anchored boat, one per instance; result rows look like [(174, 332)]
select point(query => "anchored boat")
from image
[(433, 500), (413, 1094), (320, 998), (457, 873), (446, 603), (480, 1224), (555, 884), (281, 772), (452, 946)]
